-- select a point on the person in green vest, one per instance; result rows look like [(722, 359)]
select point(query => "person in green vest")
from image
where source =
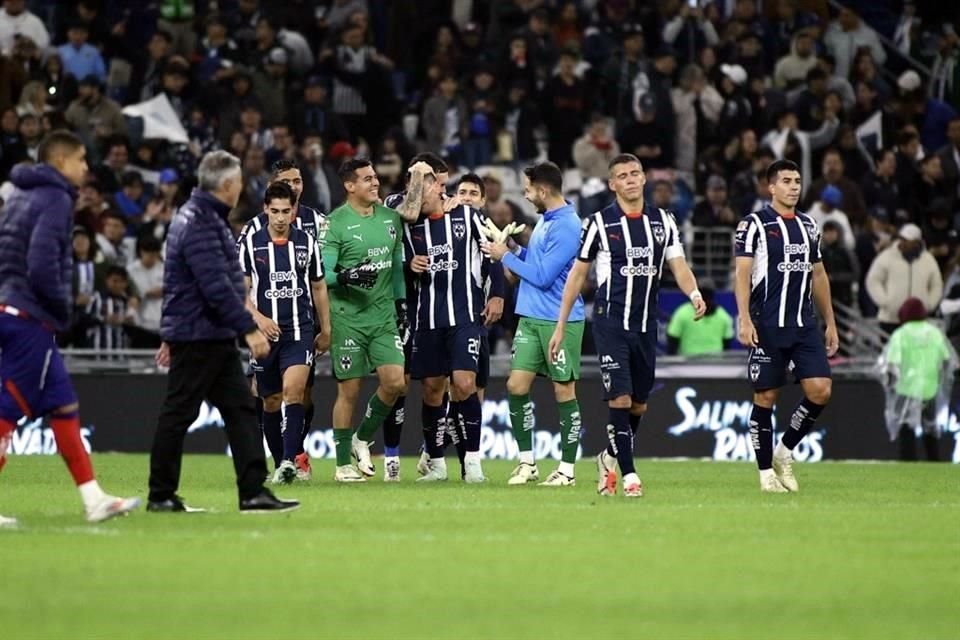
[(917, 365), (710, 334)]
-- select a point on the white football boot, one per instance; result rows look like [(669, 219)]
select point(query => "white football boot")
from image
[(360, 450), (558, 479), (347, 473), (606, 474), (783, 469), (111, 507), (524, 473)]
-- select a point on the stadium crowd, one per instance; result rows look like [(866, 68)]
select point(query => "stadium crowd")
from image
[(706, 94)]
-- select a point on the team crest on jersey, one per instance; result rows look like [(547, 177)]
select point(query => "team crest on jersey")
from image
[(459, 230), (659, 234), (392, 230), (302, 258), (754, 372), (346, 362)]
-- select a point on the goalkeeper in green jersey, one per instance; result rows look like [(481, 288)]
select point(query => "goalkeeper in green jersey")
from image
[(363, 256)]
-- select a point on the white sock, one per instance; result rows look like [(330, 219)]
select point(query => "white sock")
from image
[(389, 459), (766, 474), (91, 493), (631, 478), (566, 468), (526, 456), (471, 456), (439, 463), (781, 451)]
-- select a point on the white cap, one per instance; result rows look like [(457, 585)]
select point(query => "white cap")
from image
[(736, 73), (909, 80), (910, 231)]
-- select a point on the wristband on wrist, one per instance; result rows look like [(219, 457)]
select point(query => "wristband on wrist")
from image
[(695, 294)]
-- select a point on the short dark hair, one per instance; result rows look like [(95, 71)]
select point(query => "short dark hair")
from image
[(472, 178), (623, 158), (348, 170), (879, 154), (131, 178), (116, 270), (816, 73), (436, 162), (906, 137), (114, 214), (282, 165), (166, 35), (546, 174), (278, 191), (148, 244), (59, 141), (777, 166)]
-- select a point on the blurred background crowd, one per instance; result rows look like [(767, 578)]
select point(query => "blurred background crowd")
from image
[(863, 95)]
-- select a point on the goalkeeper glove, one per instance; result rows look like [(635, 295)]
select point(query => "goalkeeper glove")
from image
[(403, 321)]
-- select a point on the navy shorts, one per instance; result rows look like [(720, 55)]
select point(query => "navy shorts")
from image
[(33, 378), (800, 349), (628, 360), (440, 352), (283, 355)]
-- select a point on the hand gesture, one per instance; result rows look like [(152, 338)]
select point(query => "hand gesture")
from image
[(162, 356), (257, 342), (747, 335), (699, 307), (269, 328), (420, 264), (556, 340), (492, 312), (833, 340), (321, 343)]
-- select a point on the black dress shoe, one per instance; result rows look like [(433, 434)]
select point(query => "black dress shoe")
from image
[(172, 505), (266, 502)]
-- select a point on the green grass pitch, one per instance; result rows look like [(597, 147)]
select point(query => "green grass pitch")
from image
[(864, 551)]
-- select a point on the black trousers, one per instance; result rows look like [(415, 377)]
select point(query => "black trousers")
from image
[(206, 371)]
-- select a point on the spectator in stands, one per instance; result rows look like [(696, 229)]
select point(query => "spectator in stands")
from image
[(903, 270), (940, 233), (93, 116), (835, 82), (567, 28), (146, 274), (879, 232), (80, 58), (252, 127), (697, 106), (855, 164), (255, 175), (711, 334), (59, 87), (832, 172), (950, 157), (881, 189), (115, 164), (313, 114), (651, 134), (130, 198), (521, 118), (321, 186), (175, 83), (840, 261), (516, 64), (112, 309), (115, 246), (89, 205), (846, 35), (482, 101), (687, 30), (736, 111), (908, 164), (501, 210), (950, 305), (145, 77), (791, 143), (445, 119), (30, 135), (565, 105), (84, 285), (217, 52), (809, 102), (33, 100), (283, 147), (594, 150), (715, 209), (945, 73), (619, 73), (16, 22), (791, 70), (159, 211), (827, 209), (929, 186), (931, 116), (789, 22), (270, 84), (540, 44)]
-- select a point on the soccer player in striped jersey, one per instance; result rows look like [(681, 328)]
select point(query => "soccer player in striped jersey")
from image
[(314, 222), (543, 267), (631, 241), (287, 295), (779, 277), (443, 249)]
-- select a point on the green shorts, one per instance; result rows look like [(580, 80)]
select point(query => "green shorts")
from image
[(356, 351), (531, 349)]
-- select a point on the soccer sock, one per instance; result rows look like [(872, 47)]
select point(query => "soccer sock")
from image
[(621, 439), (6, 429), (471, 413), (453, 434), (761, 436), (272, 432), (432, 434), (307, 425), (569, 430), (522, 422), (376, 413), (292, 430), (66, 431), (635, 423), (801, 422), (393, 427), (342, 440)]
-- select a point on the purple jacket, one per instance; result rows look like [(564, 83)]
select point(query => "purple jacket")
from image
[(36, 250), (203, 288)]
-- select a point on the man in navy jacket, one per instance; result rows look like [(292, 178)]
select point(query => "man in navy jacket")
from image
[(203, 315), (36, 264)]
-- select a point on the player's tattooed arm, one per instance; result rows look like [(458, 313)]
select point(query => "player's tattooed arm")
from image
[(409, 209)]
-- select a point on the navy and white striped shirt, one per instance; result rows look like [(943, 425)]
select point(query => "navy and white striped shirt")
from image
[(630, 251), (784, 251), (452, 292), (281, 274), (106, 336), (308, 219)]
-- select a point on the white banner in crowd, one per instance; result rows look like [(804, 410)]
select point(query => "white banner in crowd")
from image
[(160, 121)]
